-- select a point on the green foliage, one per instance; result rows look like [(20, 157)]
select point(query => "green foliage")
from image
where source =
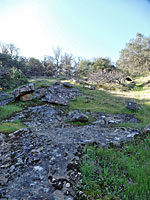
[(8, 127), (115, 173), (35, 68), (7, 111), (83, 67), (12, 78), (135, 57), (101, 63)]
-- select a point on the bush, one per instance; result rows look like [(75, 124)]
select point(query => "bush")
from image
[(11, 78), (105, 76)]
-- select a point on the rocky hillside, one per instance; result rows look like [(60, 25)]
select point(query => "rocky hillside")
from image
[(41, 159)]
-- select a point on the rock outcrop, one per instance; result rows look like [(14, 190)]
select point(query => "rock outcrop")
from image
[(76, 116), (23, 92), (60, 94)]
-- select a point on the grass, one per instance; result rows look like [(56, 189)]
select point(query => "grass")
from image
[(114, 102), (8, 110), (107, 173), (8, 127), (108, 102), (24, 104), (42, 82), (102, 102), (116, 173)]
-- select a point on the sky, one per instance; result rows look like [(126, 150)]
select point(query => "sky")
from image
[(86, 28)]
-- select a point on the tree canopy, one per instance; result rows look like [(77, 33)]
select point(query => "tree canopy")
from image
[(135, 57)]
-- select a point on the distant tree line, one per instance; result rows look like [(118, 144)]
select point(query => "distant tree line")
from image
[(15, 69)]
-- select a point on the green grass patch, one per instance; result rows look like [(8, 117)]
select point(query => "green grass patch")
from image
[(115, 173), (107, 102), (131, 125), (8, 110), (8, 127), (24, 104), (43, 82), (102, 102)]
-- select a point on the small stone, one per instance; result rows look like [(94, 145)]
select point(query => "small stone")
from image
[(68, 85), (38, 168), (101, 121), (80, 192), (76, 116), (147, 129), (53, 180), (92, 87), (67, 185), (132, 106), (130, 135)]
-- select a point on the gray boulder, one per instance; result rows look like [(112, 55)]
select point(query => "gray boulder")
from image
[(59, 94), (23, 90), (76, 116)]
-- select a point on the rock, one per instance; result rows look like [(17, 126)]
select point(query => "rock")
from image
[(147, 129), (59, 94), (5, 98), (101, 122), (76, 116), (38, 168), (3, 180), (57, 83), (58, 195), (24, 89), (68, 85), (26, 97), (132, 106), (62, 78), (128, 79), (56, 99), (68, 185), (39, 93), (92, 87)]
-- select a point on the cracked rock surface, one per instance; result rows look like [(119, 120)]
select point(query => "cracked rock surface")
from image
[(41, 162)]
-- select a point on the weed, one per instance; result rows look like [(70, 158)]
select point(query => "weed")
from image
[(115, 173), (8, 127), (8, 110), (43, 82), (24, 104)]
